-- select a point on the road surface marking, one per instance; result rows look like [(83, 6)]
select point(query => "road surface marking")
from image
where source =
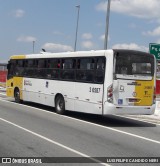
[(109, 128), (54, 142), (3, 94)]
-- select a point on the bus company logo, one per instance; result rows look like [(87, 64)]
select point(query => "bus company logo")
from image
[(134, 83), (134, 94), (27, 82)]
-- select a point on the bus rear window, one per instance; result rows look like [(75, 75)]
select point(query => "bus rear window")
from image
[(130, 64), (141, 68)]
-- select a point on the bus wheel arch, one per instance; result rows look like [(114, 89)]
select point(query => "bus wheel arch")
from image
[(17, 95), (59, 104)]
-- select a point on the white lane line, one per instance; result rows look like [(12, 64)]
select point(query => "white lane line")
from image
[(3, 94), (120, 131), (53, 142), (90, 123)]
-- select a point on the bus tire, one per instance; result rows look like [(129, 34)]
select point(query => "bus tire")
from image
[(60, 105), (17, 96)]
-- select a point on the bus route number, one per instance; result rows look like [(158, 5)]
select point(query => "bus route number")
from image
[(94, 90)]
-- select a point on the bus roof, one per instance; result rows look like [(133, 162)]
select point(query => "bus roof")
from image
[(77, 54), (62, 54)]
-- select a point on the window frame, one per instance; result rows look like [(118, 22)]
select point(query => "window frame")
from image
[(33, 69)]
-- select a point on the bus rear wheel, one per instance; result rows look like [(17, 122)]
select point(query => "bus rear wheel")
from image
[(60, 105), (17, 96)]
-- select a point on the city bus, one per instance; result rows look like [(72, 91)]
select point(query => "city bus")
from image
[(98, 82)]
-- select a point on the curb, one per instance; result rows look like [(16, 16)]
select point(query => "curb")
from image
[(157, 110)]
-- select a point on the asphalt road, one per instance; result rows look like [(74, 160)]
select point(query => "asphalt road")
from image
[(32, 130)]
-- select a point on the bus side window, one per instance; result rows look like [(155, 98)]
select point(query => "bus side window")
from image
[(68, 71), (41, 71), (85, 69), (53, 68), (25, 67), (54, 63), (31, 68), (19, 67), (41, 63), (78, 64)]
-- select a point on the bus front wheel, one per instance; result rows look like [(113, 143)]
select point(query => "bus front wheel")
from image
[(17, 96), (60, 104)]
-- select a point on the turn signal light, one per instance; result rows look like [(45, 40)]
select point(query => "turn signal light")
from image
[(110, 94)]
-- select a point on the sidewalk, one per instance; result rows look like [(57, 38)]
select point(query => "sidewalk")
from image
[(148, 118), (155, 118)]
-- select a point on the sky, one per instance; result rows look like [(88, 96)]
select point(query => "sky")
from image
[(51, 24)]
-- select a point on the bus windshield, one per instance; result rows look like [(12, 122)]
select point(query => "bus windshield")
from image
[(135, 65)]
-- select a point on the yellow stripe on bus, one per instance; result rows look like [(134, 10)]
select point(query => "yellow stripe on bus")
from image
[(18, 57), (16, 82), (144, 91)]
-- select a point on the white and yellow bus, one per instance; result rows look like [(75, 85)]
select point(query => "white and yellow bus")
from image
[(98, 82)]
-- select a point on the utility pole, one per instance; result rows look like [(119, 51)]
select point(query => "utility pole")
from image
[(75, 45), (33, 46), (107, 25)]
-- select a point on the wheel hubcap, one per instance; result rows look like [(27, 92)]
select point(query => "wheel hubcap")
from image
[(60, 105), (17, 95)]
